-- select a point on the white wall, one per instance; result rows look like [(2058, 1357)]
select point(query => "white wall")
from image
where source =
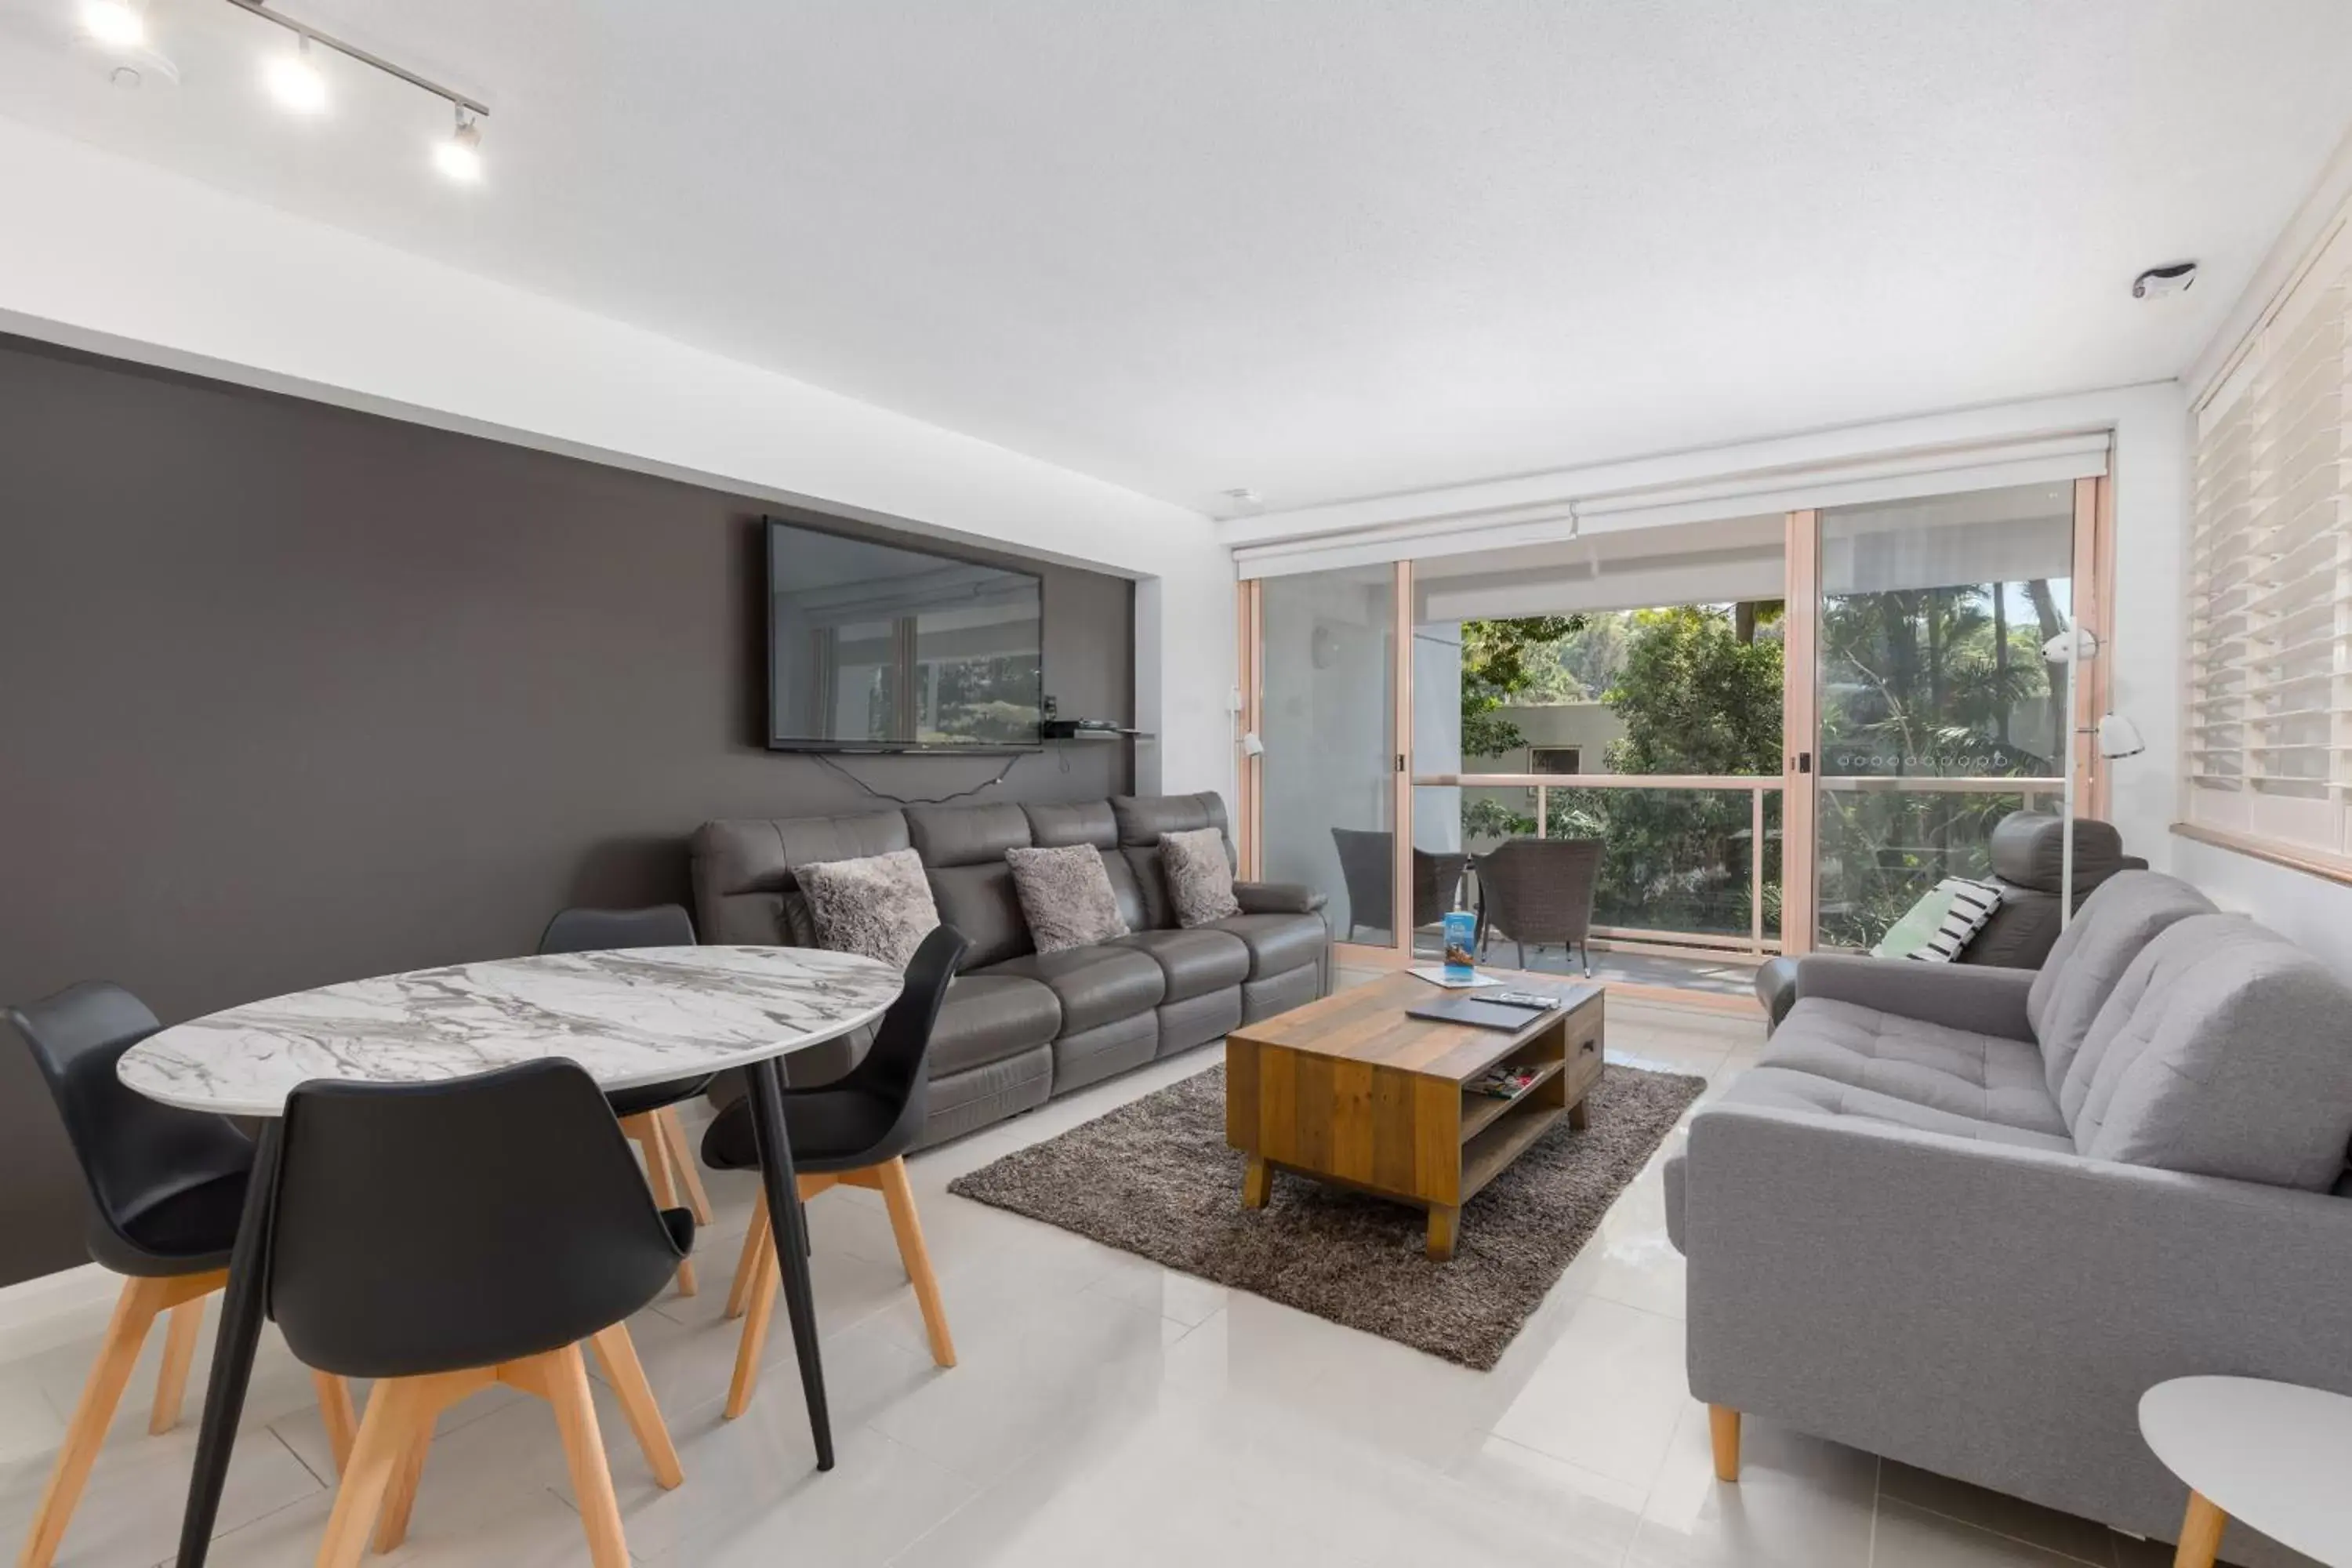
[(2312, 911), (106, 254)]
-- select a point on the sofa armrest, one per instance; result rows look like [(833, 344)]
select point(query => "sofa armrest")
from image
[(1978, 998), (1278, 899), (1992, 1312)]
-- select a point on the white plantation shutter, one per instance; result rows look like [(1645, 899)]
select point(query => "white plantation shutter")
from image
[(2268, 735)]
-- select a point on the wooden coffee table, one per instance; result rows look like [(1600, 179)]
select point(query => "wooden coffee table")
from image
[(1349, 1090)]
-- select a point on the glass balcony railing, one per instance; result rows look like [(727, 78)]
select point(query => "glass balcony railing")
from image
[(1689, 864), (1886, 841)]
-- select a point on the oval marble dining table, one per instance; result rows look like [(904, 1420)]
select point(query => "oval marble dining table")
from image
[(630, 1017)]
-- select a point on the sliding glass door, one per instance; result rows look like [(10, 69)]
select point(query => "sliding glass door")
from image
[(1326, 712), (1410, 717), (1936, 710)]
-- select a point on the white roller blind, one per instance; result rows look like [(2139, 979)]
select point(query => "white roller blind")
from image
[(2270, 582)]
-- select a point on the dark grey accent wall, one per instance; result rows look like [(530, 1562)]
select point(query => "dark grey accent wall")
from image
[(291, 695)]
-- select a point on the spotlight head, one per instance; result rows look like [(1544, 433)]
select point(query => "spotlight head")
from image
[(294, 80), (460, 157), (2119, 737)]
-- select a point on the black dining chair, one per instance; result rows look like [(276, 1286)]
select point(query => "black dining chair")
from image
[(443, 1237), (166, 1189), (853, 1131), (648, 1113)]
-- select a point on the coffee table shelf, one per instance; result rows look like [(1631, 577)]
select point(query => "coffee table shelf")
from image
[(1484, 1157), (1354, 1090), (1480, 1112)]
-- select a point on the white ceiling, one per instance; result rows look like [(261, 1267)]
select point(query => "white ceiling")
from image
[(1318, 247)]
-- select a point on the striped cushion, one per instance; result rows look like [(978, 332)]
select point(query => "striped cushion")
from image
[(1935, 928), (1970, 905)]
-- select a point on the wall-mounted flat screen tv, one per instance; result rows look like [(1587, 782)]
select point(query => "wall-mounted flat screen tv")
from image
[(878, 647)]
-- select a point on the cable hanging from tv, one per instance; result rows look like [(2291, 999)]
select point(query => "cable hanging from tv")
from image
[(1001, 774)]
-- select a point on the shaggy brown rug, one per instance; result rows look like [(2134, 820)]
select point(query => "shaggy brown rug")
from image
[(1155, 1177)]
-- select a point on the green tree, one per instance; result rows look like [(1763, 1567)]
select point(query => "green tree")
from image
[(1499, 661), (1694, 698)]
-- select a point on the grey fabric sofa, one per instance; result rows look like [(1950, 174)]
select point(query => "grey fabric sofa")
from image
[(1964, 1218), (2027, 852), (1020, 1026)]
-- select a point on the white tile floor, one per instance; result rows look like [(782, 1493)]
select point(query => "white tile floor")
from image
[(1105, 1410)]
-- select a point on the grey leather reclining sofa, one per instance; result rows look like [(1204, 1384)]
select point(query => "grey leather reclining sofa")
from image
[(1020, 1026), (1965, 1217)]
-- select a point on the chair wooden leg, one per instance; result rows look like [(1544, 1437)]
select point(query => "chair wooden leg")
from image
[(337, 1415), (135, 1311), (758, 1244), (759, 1308), (681, 1156), (898, 1195), (583, 1453), (1723, 1431), (397, 1410), (617, 1353), (179, 1353), (647, 1130), (400, 1492)]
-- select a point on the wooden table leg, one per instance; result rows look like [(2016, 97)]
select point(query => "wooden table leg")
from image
[(789, 1228), (233, 1349), (1444, 1223), (1257, 1184), (2201, 1534)]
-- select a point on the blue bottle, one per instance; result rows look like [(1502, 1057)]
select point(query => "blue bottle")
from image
[(1460, 946)]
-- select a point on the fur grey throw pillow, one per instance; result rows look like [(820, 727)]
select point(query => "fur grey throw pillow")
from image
[(1066, 895), (1200, 877), (880, 906)]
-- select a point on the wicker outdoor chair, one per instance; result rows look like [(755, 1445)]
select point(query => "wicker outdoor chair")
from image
[(1365, 856), (1538, 890)]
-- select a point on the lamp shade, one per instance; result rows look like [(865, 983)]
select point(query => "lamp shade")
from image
[(2119, 737)]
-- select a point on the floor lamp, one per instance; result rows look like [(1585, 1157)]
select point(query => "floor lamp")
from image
[(2113, 735)]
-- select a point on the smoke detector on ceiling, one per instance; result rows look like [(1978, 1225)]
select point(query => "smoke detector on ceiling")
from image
[(124, 55), (138, 70), (1242, 502), (2157, 282)]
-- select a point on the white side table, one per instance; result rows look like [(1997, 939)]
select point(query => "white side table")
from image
[(2271, 1454)]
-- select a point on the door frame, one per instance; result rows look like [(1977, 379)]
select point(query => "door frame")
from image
[(1800, 566)]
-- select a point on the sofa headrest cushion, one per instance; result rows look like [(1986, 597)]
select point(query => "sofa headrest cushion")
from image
[(744, 890), (1085, 822), (2225, 1050), (757, 855), (1142, 818), (2028, 848), (2091, 955), (966, 834)]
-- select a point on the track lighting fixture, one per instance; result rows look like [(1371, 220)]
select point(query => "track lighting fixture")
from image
[(460, 157), (294, 80)]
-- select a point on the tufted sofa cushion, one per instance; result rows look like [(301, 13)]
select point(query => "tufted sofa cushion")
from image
[(2091, 955), (1782, 1089), (2224, 1051), (1982, 1077)]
